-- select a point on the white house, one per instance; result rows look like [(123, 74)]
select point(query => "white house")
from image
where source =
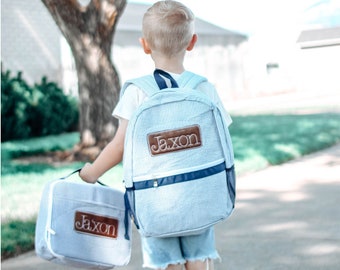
[(319, 60), (33, 44)]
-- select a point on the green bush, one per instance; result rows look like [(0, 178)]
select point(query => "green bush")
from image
[(35, 111), (54, 112), (16, 97)]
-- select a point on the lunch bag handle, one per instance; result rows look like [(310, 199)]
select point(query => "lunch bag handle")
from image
[(78, 170)]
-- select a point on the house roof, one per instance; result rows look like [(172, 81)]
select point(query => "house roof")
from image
[(319, 37), (129, 29)]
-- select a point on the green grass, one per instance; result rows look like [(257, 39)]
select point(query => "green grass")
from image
[(18, 237), (19, 148), (263, 140), (259, 141)]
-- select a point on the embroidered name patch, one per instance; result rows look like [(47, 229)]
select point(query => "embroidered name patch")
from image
[(97, 225), (174, 140)]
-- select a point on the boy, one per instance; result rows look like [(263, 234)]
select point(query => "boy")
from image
[(168, 32)]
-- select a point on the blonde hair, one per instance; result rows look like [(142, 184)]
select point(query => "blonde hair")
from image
[(168, 27)]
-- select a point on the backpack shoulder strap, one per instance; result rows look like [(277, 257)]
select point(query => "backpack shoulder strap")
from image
[(145, 83), (149, 85), (190, 80)]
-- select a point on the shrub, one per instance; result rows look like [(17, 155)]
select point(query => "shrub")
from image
[(35, 111), (54, 113)]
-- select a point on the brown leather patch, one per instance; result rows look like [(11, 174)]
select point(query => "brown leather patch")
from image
[(97, 225), (174, 140)]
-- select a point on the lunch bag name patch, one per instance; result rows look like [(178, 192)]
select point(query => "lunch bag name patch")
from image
[(97, 225)]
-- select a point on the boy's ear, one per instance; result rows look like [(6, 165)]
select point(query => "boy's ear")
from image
[(145, 46), (192, 42)]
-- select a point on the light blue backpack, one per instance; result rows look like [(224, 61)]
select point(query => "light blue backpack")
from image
[(178, 159)]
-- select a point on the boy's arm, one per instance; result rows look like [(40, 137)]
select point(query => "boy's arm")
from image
[(110, 156)]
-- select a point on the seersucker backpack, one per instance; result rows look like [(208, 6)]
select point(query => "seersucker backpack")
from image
[(178, 159)]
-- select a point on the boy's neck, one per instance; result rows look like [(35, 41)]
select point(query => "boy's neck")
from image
[(173, 65)]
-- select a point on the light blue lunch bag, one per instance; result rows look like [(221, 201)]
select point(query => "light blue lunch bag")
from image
[(82, 225)]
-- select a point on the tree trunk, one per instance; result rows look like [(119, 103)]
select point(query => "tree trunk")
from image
[(89, 31), (98, 84)]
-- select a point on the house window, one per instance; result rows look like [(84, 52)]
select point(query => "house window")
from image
[(272, 68)]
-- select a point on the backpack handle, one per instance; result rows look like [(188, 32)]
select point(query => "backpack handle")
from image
[(150, 85), (160, 80)]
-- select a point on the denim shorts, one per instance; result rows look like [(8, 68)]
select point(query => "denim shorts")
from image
[(158, 253)]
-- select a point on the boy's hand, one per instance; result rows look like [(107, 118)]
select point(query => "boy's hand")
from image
[(85, 174)]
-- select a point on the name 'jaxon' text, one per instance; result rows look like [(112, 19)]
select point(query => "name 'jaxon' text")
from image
[(95, 224), (174, 140)]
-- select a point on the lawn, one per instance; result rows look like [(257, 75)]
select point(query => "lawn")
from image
[(262, 140), (259, 141)]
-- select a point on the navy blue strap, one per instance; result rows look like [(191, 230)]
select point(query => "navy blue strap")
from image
[(178, 178), (126, 217), (158, 73)]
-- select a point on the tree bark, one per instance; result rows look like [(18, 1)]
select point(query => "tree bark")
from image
[(89, 30)]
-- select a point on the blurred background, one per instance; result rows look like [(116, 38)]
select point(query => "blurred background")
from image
[(248, 49)]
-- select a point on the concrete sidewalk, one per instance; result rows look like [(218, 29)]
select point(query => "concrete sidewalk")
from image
[(286, 217)]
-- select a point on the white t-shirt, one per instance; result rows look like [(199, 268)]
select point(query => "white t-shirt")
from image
[(133, 97)]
